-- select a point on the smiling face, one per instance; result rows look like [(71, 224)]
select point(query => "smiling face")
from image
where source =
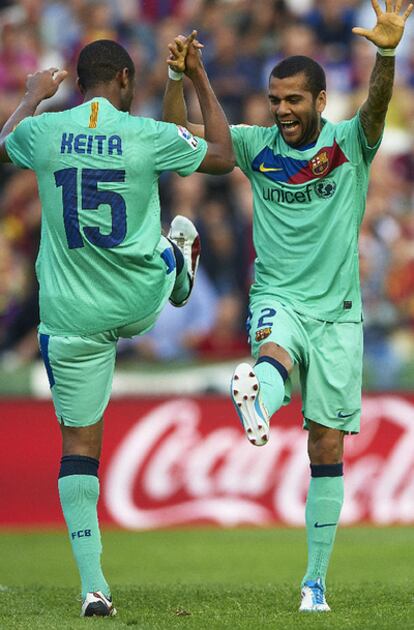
[(296, 111)]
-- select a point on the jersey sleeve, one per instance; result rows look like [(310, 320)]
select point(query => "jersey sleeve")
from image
[(177, 149), (352, 139), (240, 137), (19, 143)]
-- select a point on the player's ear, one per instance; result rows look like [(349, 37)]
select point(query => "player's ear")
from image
[(80, 86), (321, 101), (124, 77)]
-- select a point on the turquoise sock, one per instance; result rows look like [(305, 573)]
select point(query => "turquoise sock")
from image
[(323, 508), (272, 386), (79, 496), (181, 286)]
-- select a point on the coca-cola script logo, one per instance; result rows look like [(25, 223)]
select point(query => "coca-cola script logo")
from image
[(175, 467)]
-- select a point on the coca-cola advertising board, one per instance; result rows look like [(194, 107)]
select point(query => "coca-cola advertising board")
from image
[(183, 461)]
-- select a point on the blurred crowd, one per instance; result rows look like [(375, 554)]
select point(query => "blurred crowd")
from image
[(243, 41)]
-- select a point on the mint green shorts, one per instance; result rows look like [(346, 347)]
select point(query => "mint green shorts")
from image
[(81, 368), (328, 355)]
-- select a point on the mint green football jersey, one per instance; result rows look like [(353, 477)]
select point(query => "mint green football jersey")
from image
[(307, 209), (97, 170)]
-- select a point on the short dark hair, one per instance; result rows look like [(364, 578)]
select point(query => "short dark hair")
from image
[(315, 75), (100, 62)]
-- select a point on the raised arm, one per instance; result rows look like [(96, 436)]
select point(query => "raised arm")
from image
[(39, 86), (185, 57), (174, 105), (386, 35)]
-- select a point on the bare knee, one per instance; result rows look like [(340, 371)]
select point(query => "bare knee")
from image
[(325, 445), (85, 441), (271, 349)]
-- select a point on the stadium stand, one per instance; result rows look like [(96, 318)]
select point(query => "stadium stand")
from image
[(243, 41)]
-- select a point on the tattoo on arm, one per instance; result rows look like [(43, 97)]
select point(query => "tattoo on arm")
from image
[(374, 110)]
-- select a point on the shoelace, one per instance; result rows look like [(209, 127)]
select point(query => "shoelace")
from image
[(317, 594)]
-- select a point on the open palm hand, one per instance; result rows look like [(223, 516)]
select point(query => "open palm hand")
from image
[(390, 24)]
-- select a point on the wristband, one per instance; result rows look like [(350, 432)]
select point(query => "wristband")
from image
[(175, 76), (386, 52)]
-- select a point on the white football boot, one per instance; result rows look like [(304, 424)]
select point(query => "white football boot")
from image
[(245, 394), (97, 604), (313, 597), (184, 234)]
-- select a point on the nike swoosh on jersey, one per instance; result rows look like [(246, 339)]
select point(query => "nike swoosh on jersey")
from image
[(324, 524), (344, 415), (294, 170), (266, 169)]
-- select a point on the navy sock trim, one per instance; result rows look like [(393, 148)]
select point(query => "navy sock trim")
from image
[(78, 465), (327, 470), (278, 366), (179, 258)]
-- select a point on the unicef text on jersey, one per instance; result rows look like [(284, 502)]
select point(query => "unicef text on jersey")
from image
[(322, 189)]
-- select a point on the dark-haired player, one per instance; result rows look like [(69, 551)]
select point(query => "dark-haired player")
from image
[(104, 269), (309, 179)]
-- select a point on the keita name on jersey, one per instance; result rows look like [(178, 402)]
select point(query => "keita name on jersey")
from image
[(90, 144)]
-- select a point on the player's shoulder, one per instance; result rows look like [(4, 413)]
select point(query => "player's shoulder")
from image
[(149, 125), (346, 134), (169, 132), (156, 132), (52, 118), (344, 127), (34, 123)]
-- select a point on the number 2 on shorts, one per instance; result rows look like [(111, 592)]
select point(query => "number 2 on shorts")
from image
[(264, 319)]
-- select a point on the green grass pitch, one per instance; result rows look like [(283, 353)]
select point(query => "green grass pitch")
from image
[(197, 579)]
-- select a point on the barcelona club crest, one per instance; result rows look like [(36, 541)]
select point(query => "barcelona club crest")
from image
[(263, 333), (320, 163)]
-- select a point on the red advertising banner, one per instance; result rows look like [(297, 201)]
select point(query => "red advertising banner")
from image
[(186, 461)]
